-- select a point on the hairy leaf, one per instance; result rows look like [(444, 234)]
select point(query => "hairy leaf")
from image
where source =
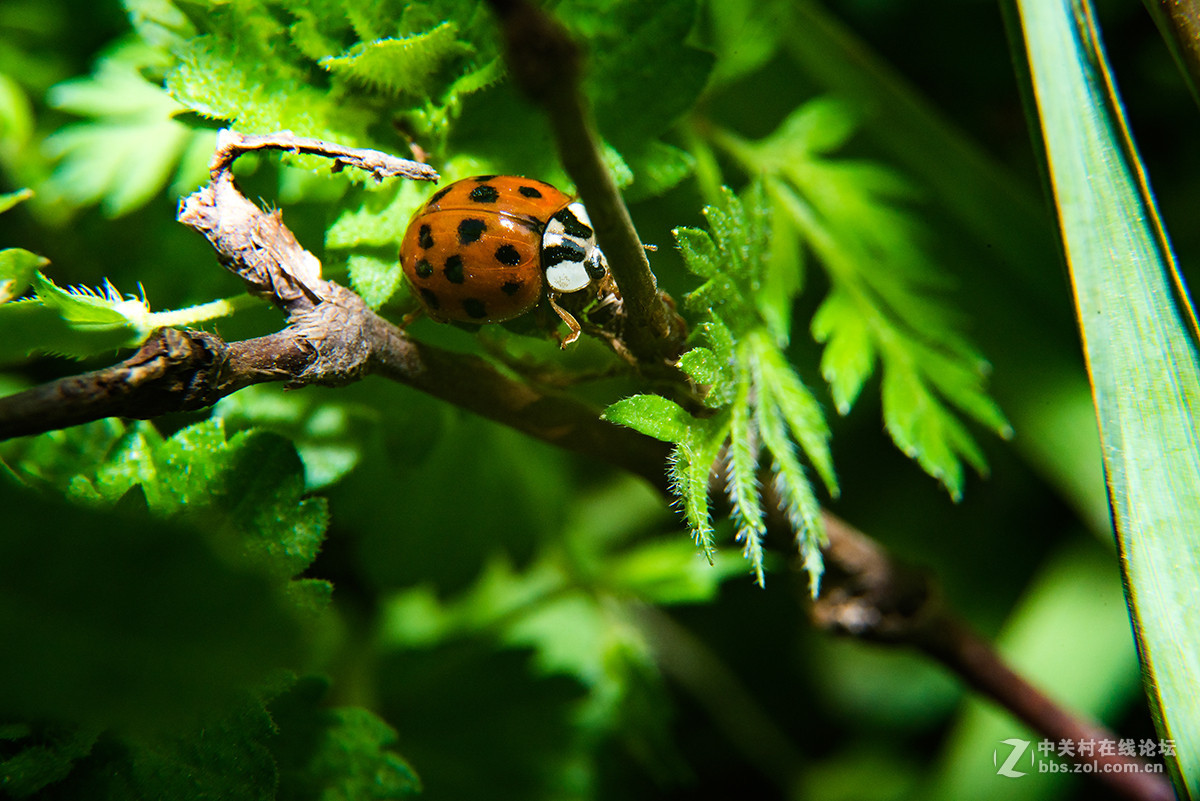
[(653, 415), (399, 65)]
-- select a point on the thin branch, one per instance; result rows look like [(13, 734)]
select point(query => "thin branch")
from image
[(231, 144), (867, 595), (545, 62)]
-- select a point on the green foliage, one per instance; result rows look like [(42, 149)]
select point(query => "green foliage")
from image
[(181, 608), (762, 408), (517, 621), (17, 269), (335, 754), (883, 305), (429, 72), (80, 321), (130, 147), (167, 620), (400, 65)]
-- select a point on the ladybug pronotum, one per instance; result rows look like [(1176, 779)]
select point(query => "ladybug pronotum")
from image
[(486, 250)]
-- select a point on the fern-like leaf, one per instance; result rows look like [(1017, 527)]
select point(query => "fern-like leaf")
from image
[(760, 409)]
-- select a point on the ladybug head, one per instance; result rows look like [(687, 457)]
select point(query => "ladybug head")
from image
[(570, 256)]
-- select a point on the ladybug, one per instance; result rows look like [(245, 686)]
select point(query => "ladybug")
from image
[(487, 249)]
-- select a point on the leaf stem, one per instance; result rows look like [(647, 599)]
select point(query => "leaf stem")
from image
[(200, 313)]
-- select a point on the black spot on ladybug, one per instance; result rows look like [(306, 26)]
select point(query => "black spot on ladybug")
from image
[(529, 191), (572, 225), (431, 299), (481, 178), (474, 308), (512, 287), (424, 269), (454, 269), (485, 193), (507, 254), (470, 229), (556, 254), (438, 195), (594, 269), (425, 237)]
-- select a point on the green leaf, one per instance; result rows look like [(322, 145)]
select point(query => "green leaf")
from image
[(126, 153), (744, 34), (741, 480), (399, 65), (373, 278), (792, 485), (17, 268), (848, 359), (46, 755), (470, 698), (702, 366), (783, 276), (80, 321), (249, 489), (328, 432), (699, 251), (921, 428), (158, 22), (799, 408), (643, 61), (1140, 337), (114, 618), (882, 302), (656, 167), (11, 199), (257, 91), (335, 754), (689, 469), (762, 405), (380, 220), (101, 308), (252, 485), (652, 415), (73, 322)]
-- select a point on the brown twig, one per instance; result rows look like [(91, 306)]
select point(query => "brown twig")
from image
[(869, 596), (545, 63), (332, 338)]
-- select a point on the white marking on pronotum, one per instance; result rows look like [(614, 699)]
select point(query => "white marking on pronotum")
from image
[(572, 261)]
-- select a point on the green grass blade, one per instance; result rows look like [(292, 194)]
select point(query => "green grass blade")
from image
[(1140, 341)]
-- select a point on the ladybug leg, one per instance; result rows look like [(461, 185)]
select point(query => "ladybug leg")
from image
[(567, 318), (411, 317)]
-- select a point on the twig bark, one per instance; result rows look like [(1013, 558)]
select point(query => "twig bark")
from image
[(867, 595), (545, 62), (333, 338)]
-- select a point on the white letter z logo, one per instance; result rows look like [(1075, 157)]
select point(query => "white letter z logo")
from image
[(1018, 748)]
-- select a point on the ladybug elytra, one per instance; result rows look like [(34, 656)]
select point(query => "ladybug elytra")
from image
[(486, 250)]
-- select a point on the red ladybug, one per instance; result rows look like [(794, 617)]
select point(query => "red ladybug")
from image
[(486, 250)]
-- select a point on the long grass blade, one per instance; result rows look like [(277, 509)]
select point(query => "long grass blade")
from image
[(1139, 335)]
